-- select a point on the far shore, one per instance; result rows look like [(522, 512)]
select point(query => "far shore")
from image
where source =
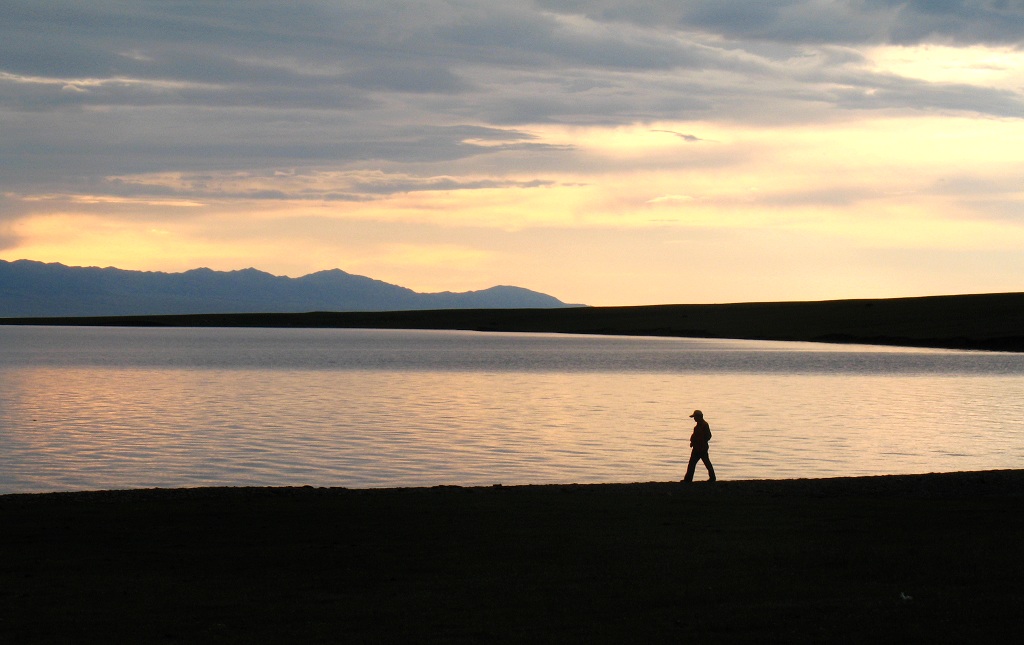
[(895, 559), (993, 322)]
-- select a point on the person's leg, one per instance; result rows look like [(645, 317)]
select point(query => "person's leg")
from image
[(690, 467), (707, 464)]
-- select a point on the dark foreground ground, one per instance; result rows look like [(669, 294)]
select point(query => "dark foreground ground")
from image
[(935, 558)]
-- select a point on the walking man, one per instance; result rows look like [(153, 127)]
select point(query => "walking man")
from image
[(699, 447)]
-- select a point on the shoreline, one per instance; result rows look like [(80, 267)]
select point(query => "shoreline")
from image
[(963, 483), (892, 558), (989, 322)]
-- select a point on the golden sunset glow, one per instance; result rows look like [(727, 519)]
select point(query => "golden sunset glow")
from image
[(581, 165), (975, 65)]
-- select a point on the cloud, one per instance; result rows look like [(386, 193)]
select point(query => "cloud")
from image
[(354, 71), (535, 113), (848, 22), (896, 93), (670, 199), (409, 78), (182, 189), (689, 138)]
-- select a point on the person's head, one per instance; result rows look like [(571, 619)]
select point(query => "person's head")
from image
[(697, 415)]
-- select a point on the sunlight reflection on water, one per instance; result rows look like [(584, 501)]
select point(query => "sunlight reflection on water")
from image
[(124, 408)]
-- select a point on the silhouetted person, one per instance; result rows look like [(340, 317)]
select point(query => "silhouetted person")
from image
[(699, 447)]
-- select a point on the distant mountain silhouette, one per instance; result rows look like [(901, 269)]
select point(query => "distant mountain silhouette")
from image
[(30, 288)]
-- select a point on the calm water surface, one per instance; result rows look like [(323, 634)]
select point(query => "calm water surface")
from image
[(96, 408)]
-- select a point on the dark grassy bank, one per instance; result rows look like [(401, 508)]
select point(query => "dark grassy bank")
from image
[(787, 561), (990, 322)]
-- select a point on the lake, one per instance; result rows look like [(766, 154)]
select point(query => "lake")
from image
[(85, 408)]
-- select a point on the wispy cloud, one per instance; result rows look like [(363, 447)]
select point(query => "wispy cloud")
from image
[(689, 138)]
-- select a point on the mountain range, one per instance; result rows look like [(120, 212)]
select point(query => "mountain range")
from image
[(37, 289)]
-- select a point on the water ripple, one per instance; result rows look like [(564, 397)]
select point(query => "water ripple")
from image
[(107, 417)]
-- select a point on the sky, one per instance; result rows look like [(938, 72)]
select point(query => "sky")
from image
[(606, 152)]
